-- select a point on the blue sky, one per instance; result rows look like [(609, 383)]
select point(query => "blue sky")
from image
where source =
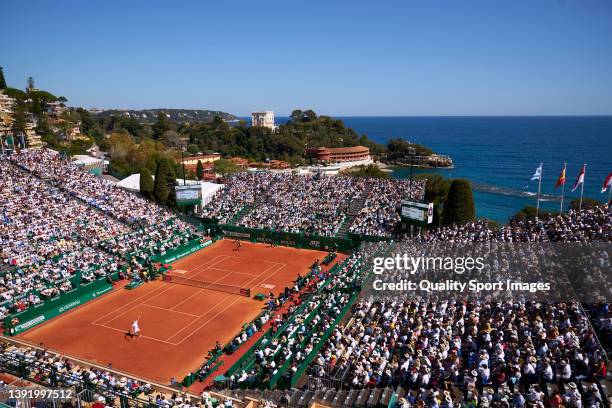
[(339, 58)]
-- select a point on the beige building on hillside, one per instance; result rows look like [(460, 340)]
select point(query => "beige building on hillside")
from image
[(263, 119), (6, 103)]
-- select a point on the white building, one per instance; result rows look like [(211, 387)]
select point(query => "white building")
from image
[(264, 119), (205, 191)]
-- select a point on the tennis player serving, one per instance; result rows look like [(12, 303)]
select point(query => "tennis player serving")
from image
[(134, 330)]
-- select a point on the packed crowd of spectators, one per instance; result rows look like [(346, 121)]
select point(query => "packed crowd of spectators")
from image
[(500, 352), (304, 203), (105, 386), (95, 191), (483, 352), (312, 204), (587, 225), (44, 236), (54, 235), (150, 239), (56, 371), (381, 212)]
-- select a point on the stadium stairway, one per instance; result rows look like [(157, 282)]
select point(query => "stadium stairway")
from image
[(241, 214), (354, 208), (228, 361)]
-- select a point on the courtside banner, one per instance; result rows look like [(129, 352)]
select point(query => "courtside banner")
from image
[(236, 234), (51, 308), (182, 251)]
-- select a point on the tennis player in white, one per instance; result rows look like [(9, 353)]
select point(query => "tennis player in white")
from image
[(135, 329)]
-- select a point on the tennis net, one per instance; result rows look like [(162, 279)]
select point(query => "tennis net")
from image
[(236, 290)]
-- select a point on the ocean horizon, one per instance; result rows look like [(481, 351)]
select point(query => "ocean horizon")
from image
[(499, 154)]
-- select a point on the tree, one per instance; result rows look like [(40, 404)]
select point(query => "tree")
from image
[(36, 104), (398, 149), (370, 170), (199, 170), (296, 115), (529, 213), (18, 94), (436, 191), (161, 125), (525, 214), (587, 203), (146, 183), (171, 138), (160, 187), (171, 200), (459, 205), (2, 80), (223, 166), (310, 115), (19, 119)]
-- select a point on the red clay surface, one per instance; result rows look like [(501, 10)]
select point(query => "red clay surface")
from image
[(179, 323)]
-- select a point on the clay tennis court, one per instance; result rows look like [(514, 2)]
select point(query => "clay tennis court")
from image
[(179, 323)]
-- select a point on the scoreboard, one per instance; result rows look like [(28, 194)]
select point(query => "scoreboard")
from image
[(190, 194), (417, 213)]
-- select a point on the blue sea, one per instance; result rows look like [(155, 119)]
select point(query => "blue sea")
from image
[(499, 154)]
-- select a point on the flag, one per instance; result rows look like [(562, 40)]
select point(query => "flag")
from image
[(561, 179), (580, 178), (538, 173), (607, 183)]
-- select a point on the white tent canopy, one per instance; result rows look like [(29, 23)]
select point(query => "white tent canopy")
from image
[(132, 183)]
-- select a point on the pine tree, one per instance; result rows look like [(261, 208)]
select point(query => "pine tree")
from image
[(146, 183), (19, 120), (161, 125), (160, 187), (200, 170), (459, 205), (171, 200), (2, 80)]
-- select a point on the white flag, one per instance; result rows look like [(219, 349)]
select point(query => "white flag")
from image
[(538, 173)]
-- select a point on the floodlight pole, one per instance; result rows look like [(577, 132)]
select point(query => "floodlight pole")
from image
[(183, 163)]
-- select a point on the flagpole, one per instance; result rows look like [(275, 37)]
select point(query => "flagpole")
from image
[(563, 185), (539, 189), (582, 187)]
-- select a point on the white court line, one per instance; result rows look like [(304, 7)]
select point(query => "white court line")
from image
[(141, 336), (251, 259), (199, 290), (206, 267), (170, 310), (199, 266), (127, 304), (115, 310), (224, 309), (215, 307), (236, 272)]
